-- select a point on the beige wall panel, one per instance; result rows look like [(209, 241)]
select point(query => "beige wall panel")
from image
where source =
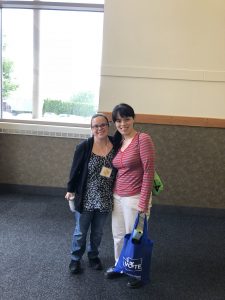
[(174, 33), (165, 97), (179, 43)]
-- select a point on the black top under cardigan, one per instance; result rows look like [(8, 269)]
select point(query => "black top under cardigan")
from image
[(79, 171)]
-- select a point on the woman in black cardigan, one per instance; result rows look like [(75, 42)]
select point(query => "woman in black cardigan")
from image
[(91, 183)]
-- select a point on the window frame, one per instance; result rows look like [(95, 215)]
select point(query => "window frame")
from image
[(40, 5)]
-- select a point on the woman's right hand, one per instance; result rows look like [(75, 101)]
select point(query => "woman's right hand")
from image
[(69, 196)]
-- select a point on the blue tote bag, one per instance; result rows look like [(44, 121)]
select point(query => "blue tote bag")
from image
[(135, 257)]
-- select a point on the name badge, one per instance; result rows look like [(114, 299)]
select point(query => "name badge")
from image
[(106, 172)]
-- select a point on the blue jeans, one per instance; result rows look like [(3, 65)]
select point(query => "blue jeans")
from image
[(83, 221)]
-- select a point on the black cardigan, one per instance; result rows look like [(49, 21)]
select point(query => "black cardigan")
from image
[(79, 171)]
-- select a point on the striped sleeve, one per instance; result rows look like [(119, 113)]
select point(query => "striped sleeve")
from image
[(147, 154)]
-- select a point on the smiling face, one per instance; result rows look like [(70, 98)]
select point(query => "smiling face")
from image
[(123, 116), (125, 125), (100, 127)]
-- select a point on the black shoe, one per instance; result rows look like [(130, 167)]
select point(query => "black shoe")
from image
[(75, 266), (95, 263), (134, 283), (111, 274)]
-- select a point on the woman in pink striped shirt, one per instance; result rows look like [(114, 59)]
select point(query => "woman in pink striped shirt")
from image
[(132, 192)]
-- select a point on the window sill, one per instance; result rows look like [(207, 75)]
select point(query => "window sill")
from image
[(45, 129)]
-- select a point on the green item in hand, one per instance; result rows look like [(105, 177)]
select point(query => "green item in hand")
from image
[(157, 185)]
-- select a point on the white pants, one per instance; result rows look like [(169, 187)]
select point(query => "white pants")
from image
[(123, 217)]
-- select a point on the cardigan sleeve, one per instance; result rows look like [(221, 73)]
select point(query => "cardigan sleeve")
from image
[(76, 167)]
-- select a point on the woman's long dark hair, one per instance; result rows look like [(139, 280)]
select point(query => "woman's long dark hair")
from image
[(122, 110)]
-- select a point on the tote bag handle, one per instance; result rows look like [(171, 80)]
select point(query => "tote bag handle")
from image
[(140, 227)]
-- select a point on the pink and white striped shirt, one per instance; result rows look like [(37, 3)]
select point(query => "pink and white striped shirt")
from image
[(136, 169)]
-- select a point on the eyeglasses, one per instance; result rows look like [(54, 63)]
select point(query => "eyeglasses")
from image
[(98, 126)]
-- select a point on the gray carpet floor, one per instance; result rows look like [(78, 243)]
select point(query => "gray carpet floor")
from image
[(188, 260)]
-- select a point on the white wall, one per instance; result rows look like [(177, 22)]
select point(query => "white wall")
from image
[(164, 57)]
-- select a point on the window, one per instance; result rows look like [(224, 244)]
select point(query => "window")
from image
[(51, 62)]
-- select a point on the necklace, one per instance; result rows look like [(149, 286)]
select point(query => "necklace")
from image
[(100, 149)]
